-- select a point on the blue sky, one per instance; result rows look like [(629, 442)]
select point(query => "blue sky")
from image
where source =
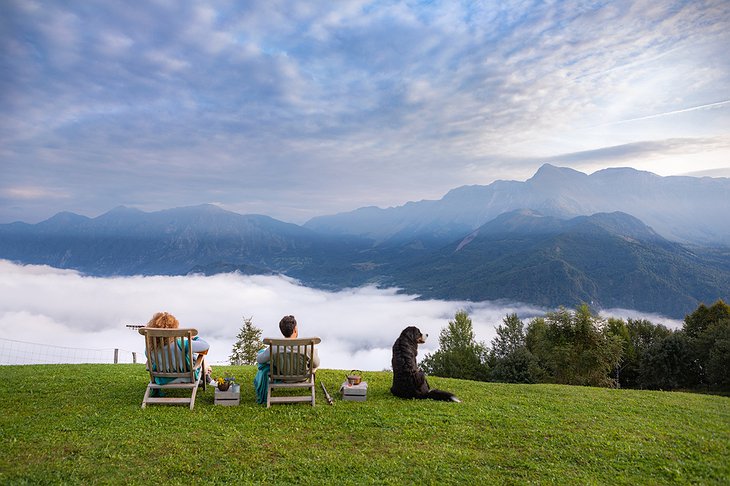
[(297, 109)]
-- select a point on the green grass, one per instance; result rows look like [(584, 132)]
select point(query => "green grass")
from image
[(83, 424)]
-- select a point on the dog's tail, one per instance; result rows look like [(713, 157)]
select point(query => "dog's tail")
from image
[(442, 395)]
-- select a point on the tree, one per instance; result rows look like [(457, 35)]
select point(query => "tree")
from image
[(248, 343), (618, 329), (667, 364), (637, 336), (574, 348), (705, 331), (703, 317), (510, 336), (459, 355), (718, 360), (512, 362)]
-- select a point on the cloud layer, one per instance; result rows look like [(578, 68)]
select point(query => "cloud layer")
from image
[(295, 110), (51, 307)]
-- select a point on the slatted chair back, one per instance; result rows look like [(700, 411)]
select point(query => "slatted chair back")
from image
[(170, 357), (291, 367), (170, 352)]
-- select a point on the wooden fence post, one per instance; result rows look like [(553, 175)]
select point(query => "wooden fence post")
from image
[(116, 355), (134, 357)]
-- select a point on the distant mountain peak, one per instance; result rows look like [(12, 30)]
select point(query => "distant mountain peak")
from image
[(64, 219), (197, 210), (550, 174), (206, 207), (65, 215), (121, 209)]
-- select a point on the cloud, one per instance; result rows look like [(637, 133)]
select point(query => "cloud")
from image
[(706, 106), (642, 149), (32, 193), (357, 326), (719, 172), (62, 308), (337, 104), (633, 314)]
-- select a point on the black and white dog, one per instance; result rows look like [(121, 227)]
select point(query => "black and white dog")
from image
[(408, 380)]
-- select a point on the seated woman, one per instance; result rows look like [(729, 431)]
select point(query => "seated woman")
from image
[(163, 320)]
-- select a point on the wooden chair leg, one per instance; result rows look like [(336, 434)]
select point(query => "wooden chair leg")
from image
[(192, 397), (146, 396)]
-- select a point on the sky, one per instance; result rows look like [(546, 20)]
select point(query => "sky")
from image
[(299, 109), (82, 318)]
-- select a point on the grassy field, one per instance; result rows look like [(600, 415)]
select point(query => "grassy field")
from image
[(83, 424)]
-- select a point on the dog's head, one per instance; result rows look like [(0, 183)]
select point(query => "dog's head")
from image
[(412, 333)]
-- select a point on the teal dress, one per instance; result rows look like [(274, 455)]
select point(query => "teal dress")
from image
[(261, 381), (179, 344)]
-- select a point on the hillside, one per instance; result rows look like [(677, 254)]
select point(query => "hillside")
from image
[(683, 209), (83, 424), (607, 260)]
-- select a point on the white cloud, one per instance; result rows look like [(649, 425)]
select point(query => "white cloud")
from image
[(633, 314), (362, 102), (43, 305), (33, 192), (87, 315)]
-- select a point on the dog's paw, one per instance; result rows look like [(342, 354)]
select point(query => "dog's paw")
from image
[(454, 399)]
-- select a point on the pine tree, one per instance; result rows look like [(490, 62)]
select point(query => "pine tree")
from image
[(248, 343)]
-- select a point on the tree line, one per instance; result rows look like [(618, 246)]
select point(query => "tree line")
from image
[(577, 347)]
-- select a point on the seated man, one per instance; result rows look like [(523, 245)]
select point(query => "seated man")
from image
[(288, 328)]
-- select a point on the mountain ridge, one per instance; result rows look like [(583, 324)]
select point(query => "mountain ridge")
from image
[(680, 208), (534, 254), (607, 260)]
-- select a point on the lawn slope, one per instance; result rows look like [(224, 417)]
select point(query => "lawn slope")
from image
[(83, 424)]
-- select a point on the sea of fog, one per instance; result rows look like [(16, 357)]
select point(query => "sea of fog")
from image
[(45, 311)]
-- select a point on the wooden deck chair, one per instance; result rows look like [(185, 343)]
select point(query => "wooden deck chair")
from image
[(170, 358), (291, 367)]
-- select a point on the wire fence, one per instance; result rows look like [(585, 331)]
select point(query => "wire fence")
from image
[(14, 352)]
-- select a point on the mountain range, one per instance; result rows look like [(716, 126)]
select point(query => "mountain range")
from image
[(684, 209), (608, 260), (203, 239), (559, 238)]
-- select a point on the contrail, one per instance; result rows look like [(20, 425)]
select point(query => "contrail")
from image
[(667, 113)]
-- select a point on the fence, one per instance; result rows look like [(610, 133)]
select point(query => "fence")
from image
[(21, 352)]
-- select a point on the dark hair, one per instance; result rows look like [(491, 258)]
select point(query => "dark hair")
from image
[(287, 324)]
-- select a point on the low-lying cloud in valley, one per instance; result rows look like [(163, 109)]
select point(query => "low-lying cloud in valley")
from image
[(52, 307)]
